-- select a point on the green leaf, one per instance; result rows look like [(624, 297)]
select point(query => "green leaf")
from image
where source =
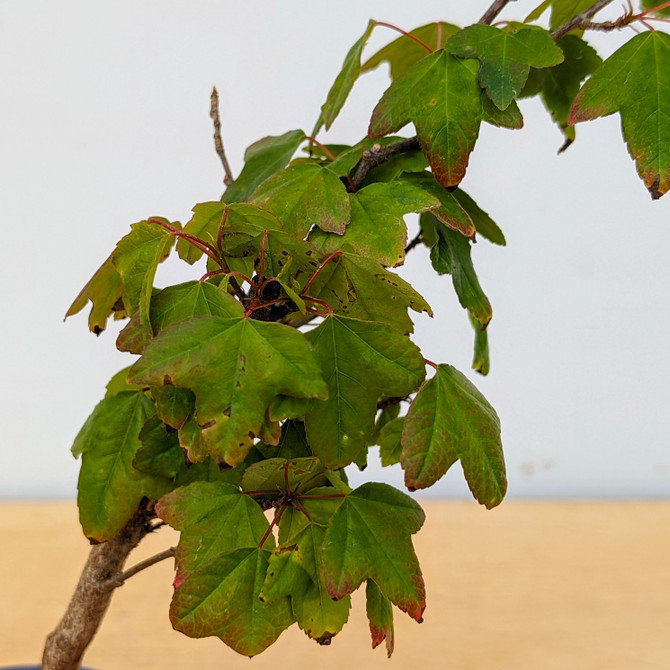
[(442, 97), (160, 453), (292, 443), (369, 537), (480, 357), (305, 195), (178, 303), (559, 85), (295, 571), (450, 212), (484, 224), (104, 289), (174, 405), (451, 255), (261, 160), (390, 443), (635, 81), (509, 118), (344, 82), (361, 288), (221, 598), (450, 420), (404, 52), (136, 258), (235, 367), (239, 220), (361, 362), (380, 616), (214, 518), (118, 383), (506, 56), (110, 488), (377, 229), (561, 11)]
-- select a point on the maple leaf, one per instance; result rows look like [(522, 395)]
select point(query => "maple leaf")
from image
[(221, 598), (380, 617), (235, 367), (360, 288), (304, 195), (450, 420), (369, 537), (506, 56), (344, 82), (635, 81), (442, 97), (110, 488), (261, 160), (361, 361), (377, 230)]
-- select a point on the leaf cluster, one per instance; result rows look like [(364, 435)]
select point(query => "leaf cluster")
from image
[(256, 385)]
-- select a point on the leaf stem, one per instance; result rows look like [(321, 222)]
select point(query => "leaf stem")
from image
[(433, 365), (323, 147), (273, 523), (406, 34), (228, 178), (200, 245), (492, 12), (318, 302), (222, 225), (663, 5), (335, 254)]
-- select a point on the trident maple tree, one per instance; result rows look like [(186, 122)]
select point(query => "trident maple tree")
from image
[(256, 384)]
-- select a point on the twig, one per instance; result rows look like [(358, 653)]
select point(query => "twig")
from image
[(580, 21), (378, 155), (119, 579), (416, 241), (493, 11), (228, 178)]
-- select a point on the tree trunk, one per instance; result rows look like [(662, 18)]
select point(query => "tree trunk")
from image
[(66, 645)]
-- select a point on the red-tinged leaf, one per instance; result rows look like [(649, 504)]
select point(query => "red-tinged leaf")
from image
[(635, 81), (235, 367), (442, 97), (404, 52), (261, 160), (305, 195), (104, 289), (450, 420), (344, 82), (110, 488), (214, 518), (450, 212), (369, 537), (339, 428), (221, 598), (377, 229), (380, 616)]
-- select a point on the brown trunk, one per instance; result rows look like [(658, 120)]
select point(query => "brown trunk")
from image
[(66, 645)]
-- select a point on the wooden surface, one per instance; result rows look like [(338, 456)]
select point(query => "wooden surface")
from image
[(537, 585)]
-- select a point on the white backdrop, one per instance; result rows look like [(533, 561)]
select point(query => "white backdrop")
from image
[(104, 121)]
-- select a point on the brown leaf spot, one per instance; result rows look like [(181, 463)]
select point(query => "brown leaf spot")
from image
[(167, 381)]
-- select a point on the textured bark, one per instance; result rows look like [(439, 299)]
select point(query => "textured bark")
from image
[(66, 645)]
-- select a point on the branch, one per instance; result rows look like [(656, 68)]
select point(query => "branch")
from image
[(492, 12), (228, 178), (119, 579), (581, 21), (378, 155)]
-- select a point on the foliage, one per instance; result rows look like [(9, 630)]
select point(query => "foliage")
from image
[(258, 384)]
